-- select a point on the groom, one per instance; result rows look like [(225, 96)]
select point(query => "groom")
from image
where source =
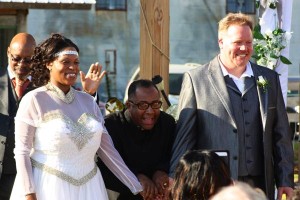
[(235, 105)]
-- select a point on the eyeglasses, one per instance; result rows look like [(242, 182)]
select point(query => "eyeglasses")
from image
[(142, 105), (19, 59)]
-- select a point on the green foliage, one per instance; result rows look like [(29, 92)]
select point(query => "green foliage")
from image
[(267, 47)]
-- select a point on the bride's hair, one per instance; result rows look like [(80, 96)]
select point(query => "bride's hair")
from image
[(44, 53)]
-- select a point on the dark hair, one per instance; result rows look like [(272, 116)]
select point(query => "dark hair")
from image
[(145, 83), (199, 175), (45, 53)]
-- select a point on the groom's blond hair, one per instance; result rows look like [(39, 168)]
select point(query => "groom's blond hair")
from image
[(239, 19)]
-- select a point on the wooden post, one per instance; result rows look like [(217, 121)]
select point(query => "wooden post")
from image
[(154, 40)]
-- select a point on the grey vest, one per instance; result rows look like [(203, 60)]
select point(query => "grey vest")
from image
[(247, 117)]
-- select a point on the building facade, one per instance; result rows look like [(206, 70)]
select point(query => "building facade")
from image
[(112, 36)]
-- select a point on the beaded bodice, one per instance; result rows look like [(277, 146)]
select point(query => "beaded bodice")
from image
[(65, 145)]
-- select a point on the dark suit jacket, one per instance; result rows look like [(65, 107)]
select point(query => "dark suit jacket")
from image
[(8, 108), (206, 121)]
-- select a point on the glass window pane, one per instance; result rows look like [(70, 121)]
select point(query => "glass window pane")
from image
[(111, 4), (243, 6)]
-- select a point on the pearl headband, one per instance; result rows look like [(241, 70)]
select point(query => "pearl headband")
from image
[(66, 53)]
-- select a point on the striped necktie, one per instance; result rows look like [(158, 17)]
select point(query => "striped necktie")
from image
[(20, 86)]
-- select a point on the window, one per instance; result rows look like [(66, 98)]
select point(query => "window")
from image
[(243, 6), (111, 5)]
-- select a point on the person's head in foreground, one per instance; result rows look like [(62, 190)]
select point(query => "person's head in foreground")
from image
[(199, 175), (240, 191), (56, 60)]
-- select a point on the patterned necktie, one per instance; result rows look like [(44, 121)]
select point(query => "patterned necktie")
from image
[(20, 86)]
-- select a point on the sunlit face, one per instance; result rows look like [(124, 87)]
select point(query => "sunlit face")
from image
[(146, 119), (64, 70), (236, 46), (19, 59)]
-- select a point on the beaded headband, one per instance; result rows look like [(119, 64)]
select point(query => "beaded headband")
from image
[(66, 53)]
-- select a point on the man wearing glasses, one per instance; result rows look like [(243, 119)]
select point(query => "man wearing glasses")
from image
[(143, 135), (14, 83)]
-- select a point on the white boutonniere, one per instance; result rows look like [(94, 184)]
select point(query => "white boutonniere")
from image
[(262, 83)]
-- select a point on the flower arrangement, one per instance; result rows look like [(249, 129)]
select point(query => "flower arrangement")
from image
[(268, 45), (262, 83), (270, 3)]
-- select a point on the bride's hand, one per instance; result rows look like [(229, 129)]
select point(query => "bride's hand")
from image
[(91, 81), (31, 196)]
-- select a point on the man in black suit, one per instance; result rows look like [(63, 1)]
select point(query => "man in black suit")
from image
[(14, 83)]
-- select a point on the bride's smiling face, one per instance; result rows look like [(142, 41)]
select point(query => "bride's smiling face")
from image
[(64, 69)]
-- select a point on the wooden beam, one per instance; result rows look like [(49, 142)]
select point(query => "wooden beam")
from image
[(154, 40)]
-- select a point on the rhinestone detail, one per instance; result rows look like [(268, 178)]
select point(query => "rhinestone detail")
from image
[(79, 133), (63, 176), (67, 98)]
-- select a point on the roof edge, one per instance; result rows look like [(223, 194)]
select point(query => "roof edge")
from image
[(69, 6)]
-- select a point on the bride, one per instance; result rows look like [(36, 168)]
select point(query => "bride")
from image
[(58, 132)]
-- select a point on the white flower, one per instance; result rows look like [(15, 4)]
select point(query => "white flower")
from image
[(262, 83), (271, 63), (268, 46), (288, 35), (269, 33), (261, 79), (272, 3)]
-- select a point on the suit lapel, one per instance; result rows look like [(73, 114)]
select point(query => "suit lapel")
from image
[(4, 81), (216, 78), (262, 95)]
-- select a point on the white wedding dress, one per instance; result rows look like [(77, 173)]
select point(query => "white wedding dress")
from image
[(57, 137)]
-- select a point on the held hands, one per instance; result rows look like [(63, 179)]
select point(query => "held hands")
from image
[(285, 190), (149, 188), (91, 81), (31, 196), (162, 182)]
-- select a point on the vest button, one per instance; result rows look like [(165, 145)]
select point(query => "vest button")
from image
[(235, 157), (235, 130)]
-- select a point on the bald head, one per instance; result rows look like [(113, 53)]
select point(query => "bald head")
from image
[(19, 54), (23, 41)]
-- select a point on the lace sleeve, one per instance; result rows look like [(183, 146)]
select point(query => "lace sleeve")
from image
[(24, 134), (112, 159), (25, 126)]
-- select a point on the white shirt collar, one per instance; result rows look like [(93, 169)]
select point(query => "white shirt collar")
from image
[(247, 73), (12, 75)]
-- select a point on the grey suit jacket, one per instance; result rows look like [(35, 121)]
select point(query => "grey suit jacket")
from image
[(206, 121), (7, 119)]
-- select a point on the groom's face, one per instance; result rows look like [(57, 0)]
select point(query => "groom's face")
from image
[(236, 46)]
